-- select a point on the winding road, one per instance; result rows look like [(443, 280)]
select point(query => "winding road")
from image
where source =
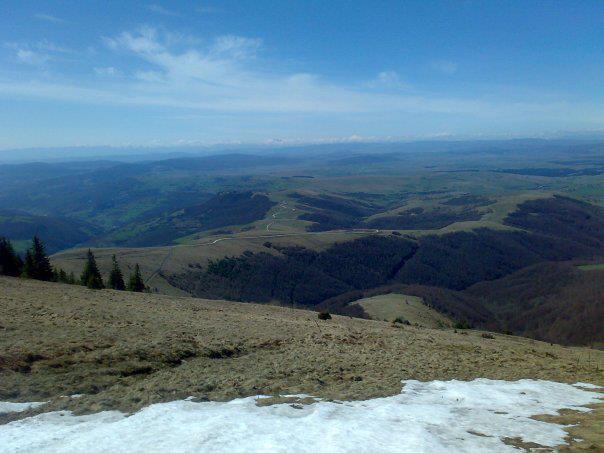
[(263, 236), (284, 207)]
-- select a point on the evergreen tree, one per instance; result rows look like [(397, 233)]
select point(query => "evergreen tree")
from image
[(91, 277), (61, 276), (136, 282), (71, 278), (43, 267), (28, 265), (37, 265), (10, 263), (116, 279)]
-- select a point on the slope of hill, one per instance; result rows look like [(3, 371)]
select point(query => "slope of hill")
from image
[(550, 302), (561, 217), (221, 210), (393, 306), (557, 302), (114, 194), (126, 350), (57, 233), (451, 261)]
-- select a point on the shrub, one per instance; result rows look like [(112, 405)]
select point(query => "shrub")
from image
[(401, 320), (462, 325), (488, 336), (324, 315)]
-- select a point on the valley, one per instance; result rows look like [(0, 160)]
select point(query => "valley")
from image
[(450, 226)]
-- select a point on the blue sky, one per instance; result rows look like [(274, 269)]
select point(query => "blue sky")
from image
[(76, 73)]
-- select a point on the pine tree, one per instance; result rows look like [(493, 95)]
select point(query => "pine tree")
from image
[(43, 267), (28, 266), (91, 277), (116, 279), (10, 263), (37, 265), (61, 276), (136, 282)]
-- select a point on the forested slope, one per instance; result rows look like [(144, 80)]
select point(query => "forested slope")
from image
[(439, 269)]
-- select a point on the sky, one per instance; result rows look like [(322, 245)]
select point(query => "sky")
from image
[(165, 73)]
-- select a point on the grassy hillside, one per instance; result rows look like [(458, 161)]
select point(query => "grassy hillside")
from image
[(125, 350), (393, 306)]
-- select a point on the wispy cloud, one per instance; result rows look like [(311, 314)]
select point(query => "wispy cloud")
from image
[(236, 46), (107, 71), (30, 57), (389, 80), (447, 67), (159, 9), (49, 18), (37, 53), (208, 9), (228, 75)]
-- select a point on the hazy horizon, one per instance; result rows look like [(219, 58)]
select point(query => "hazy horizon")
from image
[(355, 145)]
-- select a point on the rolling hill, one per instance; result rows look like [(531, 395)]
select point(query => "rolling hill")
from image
[(122, 350), (452, 261), (58, 232), (402, 308)]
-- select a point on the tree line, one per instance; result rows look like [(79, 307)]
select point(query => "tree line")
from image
[(36, 265)]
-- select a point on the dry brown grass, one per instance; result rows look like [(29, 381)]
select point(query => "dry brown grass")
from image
[(388, 307), (125, 351)]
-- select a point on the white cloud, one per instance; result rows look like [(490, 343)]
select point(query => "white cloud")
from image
[(155, 8), (445, 66), (107, 71), (37, 53), (389, 80), (178, 71), (30, 57), (236, 46), (49, 18)]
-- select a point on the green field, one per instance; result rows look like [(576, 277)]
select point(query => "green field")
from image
[(591, 267)]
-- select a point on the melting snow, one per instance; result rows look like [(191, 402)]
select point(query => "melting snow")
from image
[(5, 408), (436, 416)]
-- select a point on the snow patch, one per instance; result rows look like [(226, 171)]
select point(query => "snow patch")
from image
[(587, 385), (436, 416), (7, 407)]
